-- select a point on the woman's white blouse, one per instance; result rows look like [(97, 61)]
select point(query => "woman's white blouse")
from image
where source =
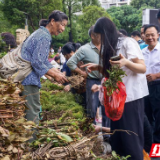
[(136, 83)]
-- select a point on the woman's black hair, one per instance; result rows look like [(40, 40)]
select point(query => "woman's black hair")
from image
[(43, 22), (109, 40), (78, 45), (68, 48), (56, 15)]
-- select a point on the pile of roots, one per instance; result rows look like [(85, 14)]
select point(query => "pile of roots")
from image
[(14, 129)]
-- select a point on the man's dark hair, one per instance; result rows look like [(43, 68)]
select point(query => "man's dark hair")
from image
[(158, 14), (90, 31), (124, 32), (144, 25), (78, 45), (136, 33), (57, 58), (68, 48), (151, 25)]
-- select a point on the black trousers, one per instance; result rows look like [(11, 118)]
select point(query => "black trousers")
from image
[(132, 120), (152, 110)]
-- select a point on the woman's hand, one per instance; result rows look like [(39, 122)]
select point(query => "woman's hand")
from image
[(60, 78), (122, 62), (90, 67), (97, 128), (57, 75), (67, 88), (95, 88)]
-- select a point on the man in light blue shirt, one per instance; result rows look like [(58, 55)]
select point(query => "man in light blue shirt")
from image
[(143, 45), (152, 61), (136, 35)]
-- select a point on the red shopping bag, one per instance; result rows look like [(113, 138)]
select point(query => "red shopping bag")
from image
[(114, 104)]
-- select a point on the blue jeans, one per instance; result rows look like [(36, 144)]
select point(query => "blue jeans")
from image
[(92, 102)]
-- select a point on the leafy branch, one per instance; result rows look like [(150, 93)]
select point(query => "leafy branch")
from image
[(115, 76)]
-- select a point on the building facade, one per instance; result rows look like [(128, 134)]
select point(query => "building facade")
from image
[(106, 4)]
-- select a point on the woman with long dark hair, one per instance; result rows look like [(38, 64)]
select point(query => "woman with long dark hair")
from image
[(132, 62), (35, 49)]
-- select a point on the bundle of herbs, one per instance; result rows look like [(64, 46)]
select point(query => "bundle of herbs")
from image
[(115, 76)]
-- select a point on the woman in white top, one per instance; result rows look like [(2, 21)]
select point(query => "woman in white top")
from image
[(132, 62)]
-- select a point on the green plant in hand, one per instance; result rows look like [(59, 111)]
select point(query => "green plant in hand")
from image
[(115, 75)]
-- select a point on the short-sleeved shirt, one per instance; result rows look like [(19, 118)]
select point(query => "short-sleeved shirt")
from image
[(87, 54), (36, 50), (136, 83), (152, 59)]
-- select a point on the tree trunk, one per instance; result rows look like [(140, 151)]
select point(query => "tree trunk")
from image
[(31, 23), (64, 9), (70, 25)]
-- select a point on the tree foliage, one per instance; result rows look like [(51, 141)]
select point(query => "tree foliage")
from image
[(89, 17), (16, 11), (5, 25), (128, 17), (71, 8), (145, 3)]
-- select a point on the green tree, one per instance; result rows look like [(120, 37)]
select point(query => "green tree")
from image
[(16, 11), (71, 7), (5, 25), (145, 3), (128, 17), (87, 19)]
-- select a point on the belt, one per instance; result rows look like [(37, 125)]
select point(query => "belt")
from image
[(153, 83), (97, 79)]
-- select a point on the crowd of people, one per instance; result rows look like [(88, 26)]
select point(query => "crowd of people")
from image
[(139, 58)]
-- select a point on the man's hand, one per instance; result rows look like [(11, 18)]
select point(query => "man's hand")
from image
[(84, 74), (67, 88), (151, 77), (90, 67)]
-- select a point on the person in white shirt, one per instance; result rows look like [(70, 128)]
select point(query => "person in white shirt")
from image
[(52, 50), (56, 62), (132, 62), (152, 61)]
